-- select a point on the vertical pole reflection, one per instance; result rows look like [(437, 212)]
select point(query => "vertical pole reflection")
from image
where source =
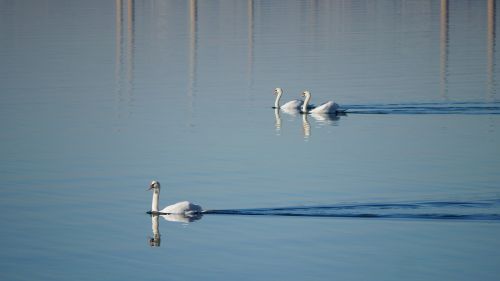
[(118, 56), (124, 60), (193, 46), (130, 48), (443, 49), (491, 48), (250, 12), (118, 44)]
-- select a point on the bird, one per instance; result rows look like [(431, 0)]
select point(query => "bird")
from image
[(293, 104), (328, 107), (181, 208)]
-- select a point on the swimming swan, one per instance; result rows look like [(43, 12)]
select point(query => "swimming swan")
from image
[(293, 104), (328, 107), (182, 208)]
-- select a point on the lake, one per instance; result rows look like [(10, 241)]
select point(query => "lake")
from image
[(99, 98)]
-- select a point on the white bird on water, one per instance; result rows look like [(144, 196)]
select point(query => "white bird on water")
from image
[(293, 104), (328, 107), (181, 208)]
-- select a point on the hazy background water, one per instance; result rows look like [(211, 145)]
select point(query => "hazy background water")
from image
[(97, 98)]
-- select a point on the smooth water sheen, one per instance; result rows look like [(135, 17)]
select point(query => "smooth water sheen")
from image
[(99, 98)]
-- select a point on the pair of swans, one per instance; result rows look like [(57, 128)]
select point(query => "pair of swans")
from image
[(175, 212), (328, 107)]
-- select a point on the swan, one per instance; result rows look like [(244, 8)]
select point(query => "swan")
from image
[(181, 208), (293, 104), (325, 118), (328, 107), (156, 239)]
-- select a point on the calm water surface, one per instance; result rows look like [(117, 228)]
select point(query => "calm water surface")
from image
[(98, 98)]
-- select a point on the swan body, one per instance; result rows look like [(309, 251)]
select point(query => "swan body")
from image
[(183, 218), (293, 104), (328, 107), (182, 208)]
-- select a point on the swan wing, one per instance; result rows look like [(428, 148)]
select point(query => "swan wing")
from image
[(291, 111), (184, 207), (327, 107), (293, 104)]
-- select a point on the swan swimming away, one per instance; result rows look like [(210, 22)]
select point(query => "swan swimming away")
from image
[(181, 208), (293, 104), (328, 107)]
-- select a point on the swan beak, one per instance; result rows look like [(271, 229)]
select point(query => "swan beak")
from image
[(151, 187)]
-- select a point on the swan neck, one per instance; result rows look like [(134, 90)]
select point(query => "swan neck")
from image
[(156, 198), (277, 101), (278, 119), (306, 126), (154, 225), (306, 102)]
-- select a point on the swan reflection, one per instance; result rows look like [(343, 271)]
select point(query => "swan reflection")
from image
[(292, 112), (155, 240), (278, 120), (184, 218), (320, 119), (324, 118), (306, 126)]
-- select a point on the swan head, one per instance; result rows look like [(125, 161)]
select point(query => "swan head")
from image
[(278, 91), (306, 94), (154, 185)]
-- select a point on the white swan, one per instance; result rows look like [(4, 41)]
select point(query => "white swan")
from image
[(182, 208), (328, 107), (293, 104)]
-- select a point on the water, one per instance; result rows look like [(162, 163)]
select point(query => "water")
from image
[(99, 98)]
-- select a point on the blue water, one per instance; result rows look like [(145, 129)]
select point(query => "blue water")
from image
[(99, 98)]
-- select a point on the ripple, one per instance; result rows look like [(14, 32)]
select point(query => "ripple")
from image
[(475, 108), (437, 210)]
